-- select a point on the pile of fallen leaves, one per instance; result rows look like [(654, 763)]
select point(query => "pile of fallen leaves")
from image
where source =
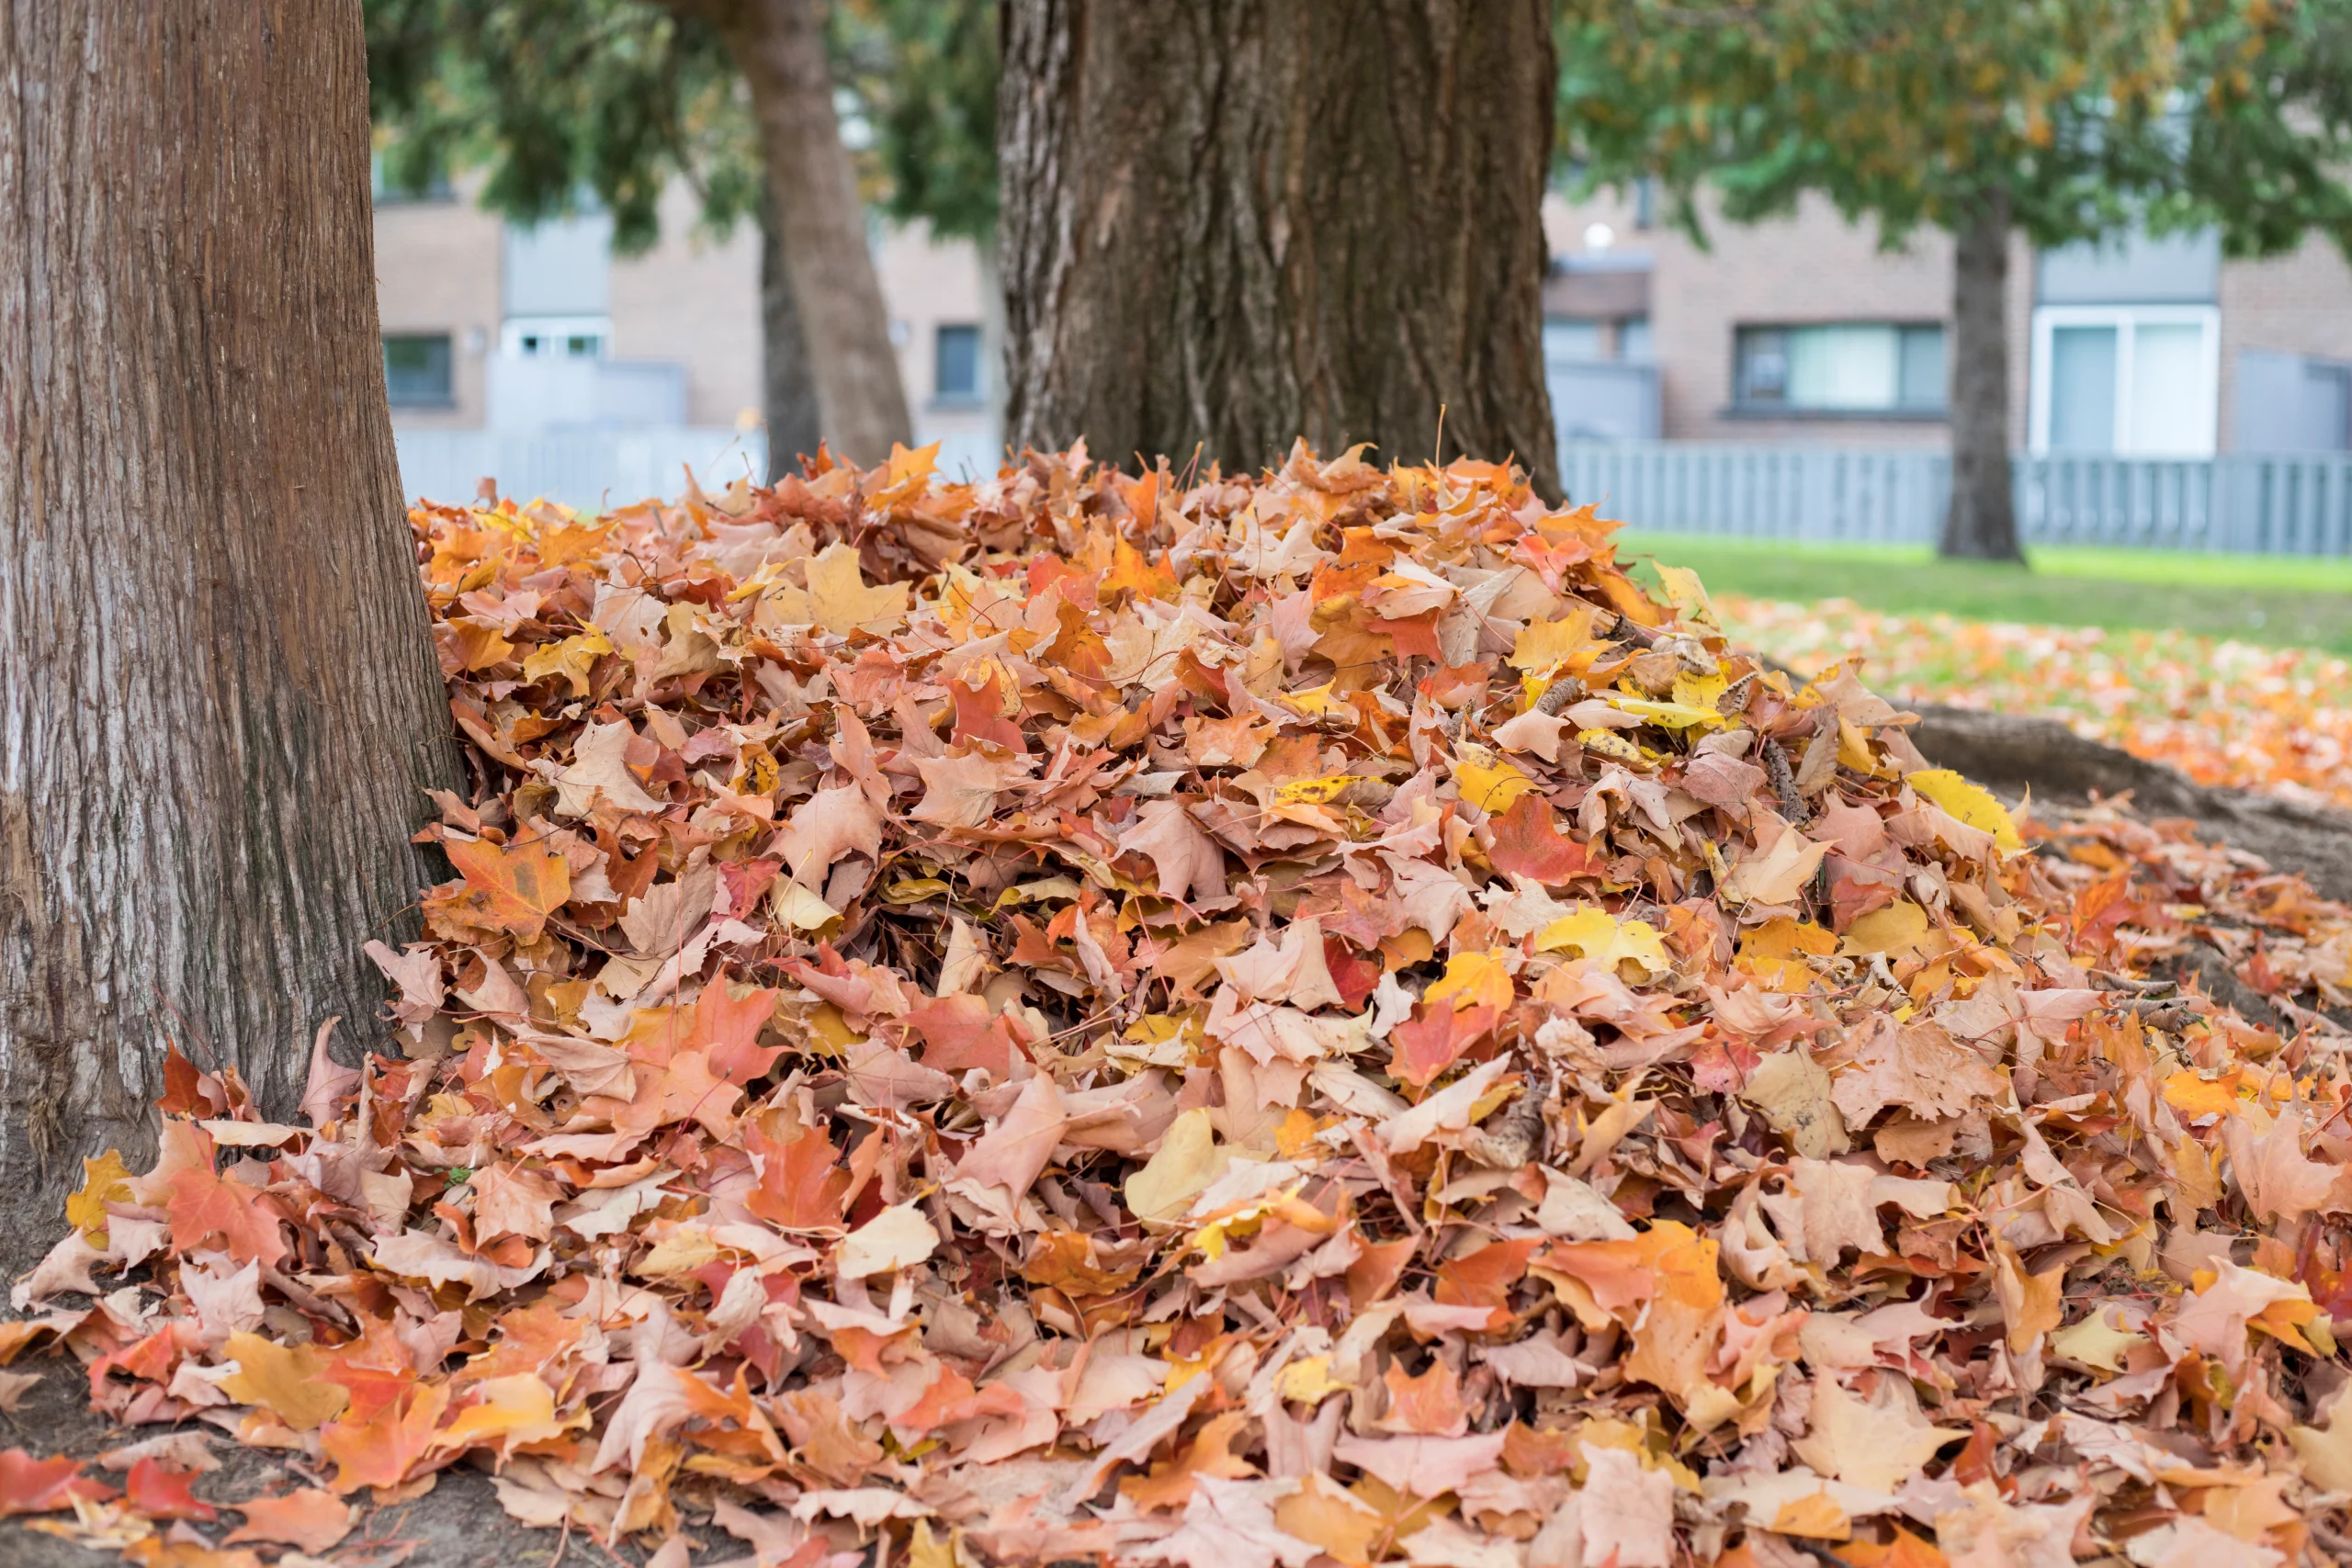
[(1296, 1021), (2226, 713)]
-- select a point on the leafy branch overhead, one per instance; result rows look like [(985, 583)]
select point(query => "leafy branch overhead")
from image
[(2089, 115), (1222, 1021), (550, 99)]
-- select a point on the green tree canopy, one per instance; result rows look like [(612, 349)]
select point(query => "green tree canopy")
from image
[(555, 99), (2089, 115)]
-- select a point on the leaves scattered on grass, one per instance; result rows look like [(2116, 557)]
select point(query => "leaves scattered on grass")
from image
[(2226, 713)]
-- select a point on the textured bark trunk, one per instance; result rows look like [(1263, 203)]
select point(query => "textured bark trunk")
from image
[(1231, 223), (219, 698), (1982, 524), (779, 45), (788, 385)]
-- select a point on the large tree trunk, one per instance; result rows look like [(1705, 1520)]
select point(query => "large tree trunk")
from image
[(779, 45), (1231, 223), (220, 700), (1982, 522), (788, 385)]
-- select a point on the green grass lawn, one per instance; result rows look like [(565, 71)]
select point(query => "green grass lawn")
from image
[(2284, 600)]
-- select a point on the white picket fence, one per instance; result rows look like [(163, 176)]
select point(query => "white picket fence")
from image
[(2284, 505), (584, 470)]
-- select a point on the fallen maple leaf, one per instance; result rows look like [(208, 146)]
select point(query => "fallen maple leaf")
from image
[(310, 1519)]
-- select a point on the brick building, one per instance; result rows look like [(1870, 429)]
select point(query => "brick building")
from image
[(519, 331), (1804, 330), (1799, 331)]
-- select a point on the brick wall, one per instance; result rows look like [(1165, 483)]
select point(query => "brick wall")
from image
[(2298, 303), (695, 300), (1811, 268), (436, 271)]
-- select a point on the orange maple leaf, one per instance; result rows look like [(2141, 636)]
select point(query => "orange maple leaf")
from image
[(802, 1183), (383, 1452), (505, 889), (204, 1205)]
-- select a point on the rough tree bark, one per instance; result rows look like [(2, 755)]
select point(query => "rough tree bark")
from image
[(1232, 222), (220, 699), (779, 45), (788, 384), (1982, 524)]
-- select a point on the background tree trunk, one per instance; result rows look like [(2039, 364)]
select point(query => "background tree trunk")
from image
[(787, 383), (1982, 524), (779, 45), (1232, 222), (221, 699)]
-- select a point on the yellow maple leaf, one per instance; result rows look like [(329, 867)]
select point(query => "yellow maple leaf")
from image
[(572, 658), (1316, 792), (1968, 803), (1895, 930), (513, 1411), (1667, 715), (1700, 691), (1307, 1380), (840, 601), (104, 1178), (2095, 1341), (907, 464), (286, 1380), (1548, 645), (1318, 700), (1491, 786), (1472, 979), (1189, 1158), (1597, 934), (1688, 594)]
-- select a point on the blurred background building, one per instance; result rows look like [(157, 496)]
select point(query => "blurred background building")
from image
[(521, 341), (519, 349), (1804, 330)]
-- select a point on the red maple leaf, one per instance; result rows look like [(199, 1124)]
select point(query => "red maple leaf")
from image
[(29, 1485), (1353, 973), (163, 1493), (979, 716), (1528, 842), (958, 1035), (731, 1029), (1426, 1046), (1415, 635), (1485, 1278)]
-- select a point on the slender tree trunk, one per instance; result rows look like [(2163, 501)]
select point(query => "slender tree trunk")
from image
[(219, 701), (1982, 524), (779, 45), (787, 382), (1233, 222)]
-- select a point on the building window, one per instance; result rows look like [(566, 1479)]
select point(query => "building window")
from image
[(416, 370), (1590, 340), (1849, 367), (955, 363), (2130, 380), (556, 337), (1570, 340), (1633, 344)]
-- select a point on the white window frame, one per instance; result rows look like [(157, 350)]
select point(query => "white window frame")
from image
[(512, 331), (2126, 319)]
